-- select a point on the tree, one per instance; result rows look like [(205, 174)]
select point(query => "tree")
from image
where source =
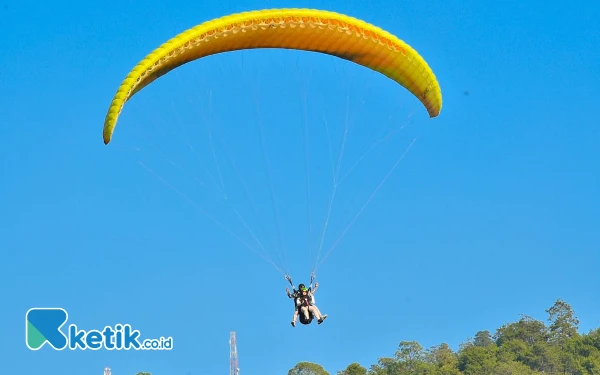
[(353, 369), (385, 366), (476, 360), (443, 360), (526, 329), (563, 323), (410, 354), (483, 339), (307, 368)]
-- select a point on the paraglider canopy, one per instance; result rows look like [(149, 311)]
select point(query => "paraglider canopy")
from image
[(300, 29)]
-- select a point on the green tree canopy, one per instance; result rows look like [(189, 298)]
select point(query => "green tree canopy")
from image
[(307, 368), (353, 369), (525, 347)]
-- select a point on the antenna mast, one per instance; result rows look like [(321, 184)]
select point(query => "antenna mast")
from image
[(234, 368)]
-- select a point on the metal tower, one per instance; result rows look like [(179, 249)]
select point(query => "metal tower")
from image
[(234, 368), (107, 371)]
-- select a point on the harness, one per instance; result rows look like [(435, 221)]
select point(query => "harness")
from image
[(297, 294), (305, 301)]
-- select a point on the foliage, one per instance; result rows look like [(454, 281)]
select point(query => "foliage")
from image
[(307, 368), (525, 347)]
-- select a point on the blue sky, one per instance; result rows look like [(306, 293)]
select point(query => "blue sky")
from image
[(492, 213)]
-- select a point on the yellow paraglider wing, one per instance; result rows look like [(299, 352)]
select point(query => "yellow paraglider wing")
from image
[(300, 29)]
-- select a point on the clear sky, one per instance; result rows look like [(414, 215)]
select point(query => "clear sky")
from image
[(492, 213)]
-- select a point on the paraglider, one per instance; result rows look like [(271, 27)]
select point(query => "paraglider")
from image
[(299, 29), (304, 303)]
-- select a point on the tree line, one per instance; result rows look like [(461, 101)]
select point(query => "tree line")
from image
[(525, 347)]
